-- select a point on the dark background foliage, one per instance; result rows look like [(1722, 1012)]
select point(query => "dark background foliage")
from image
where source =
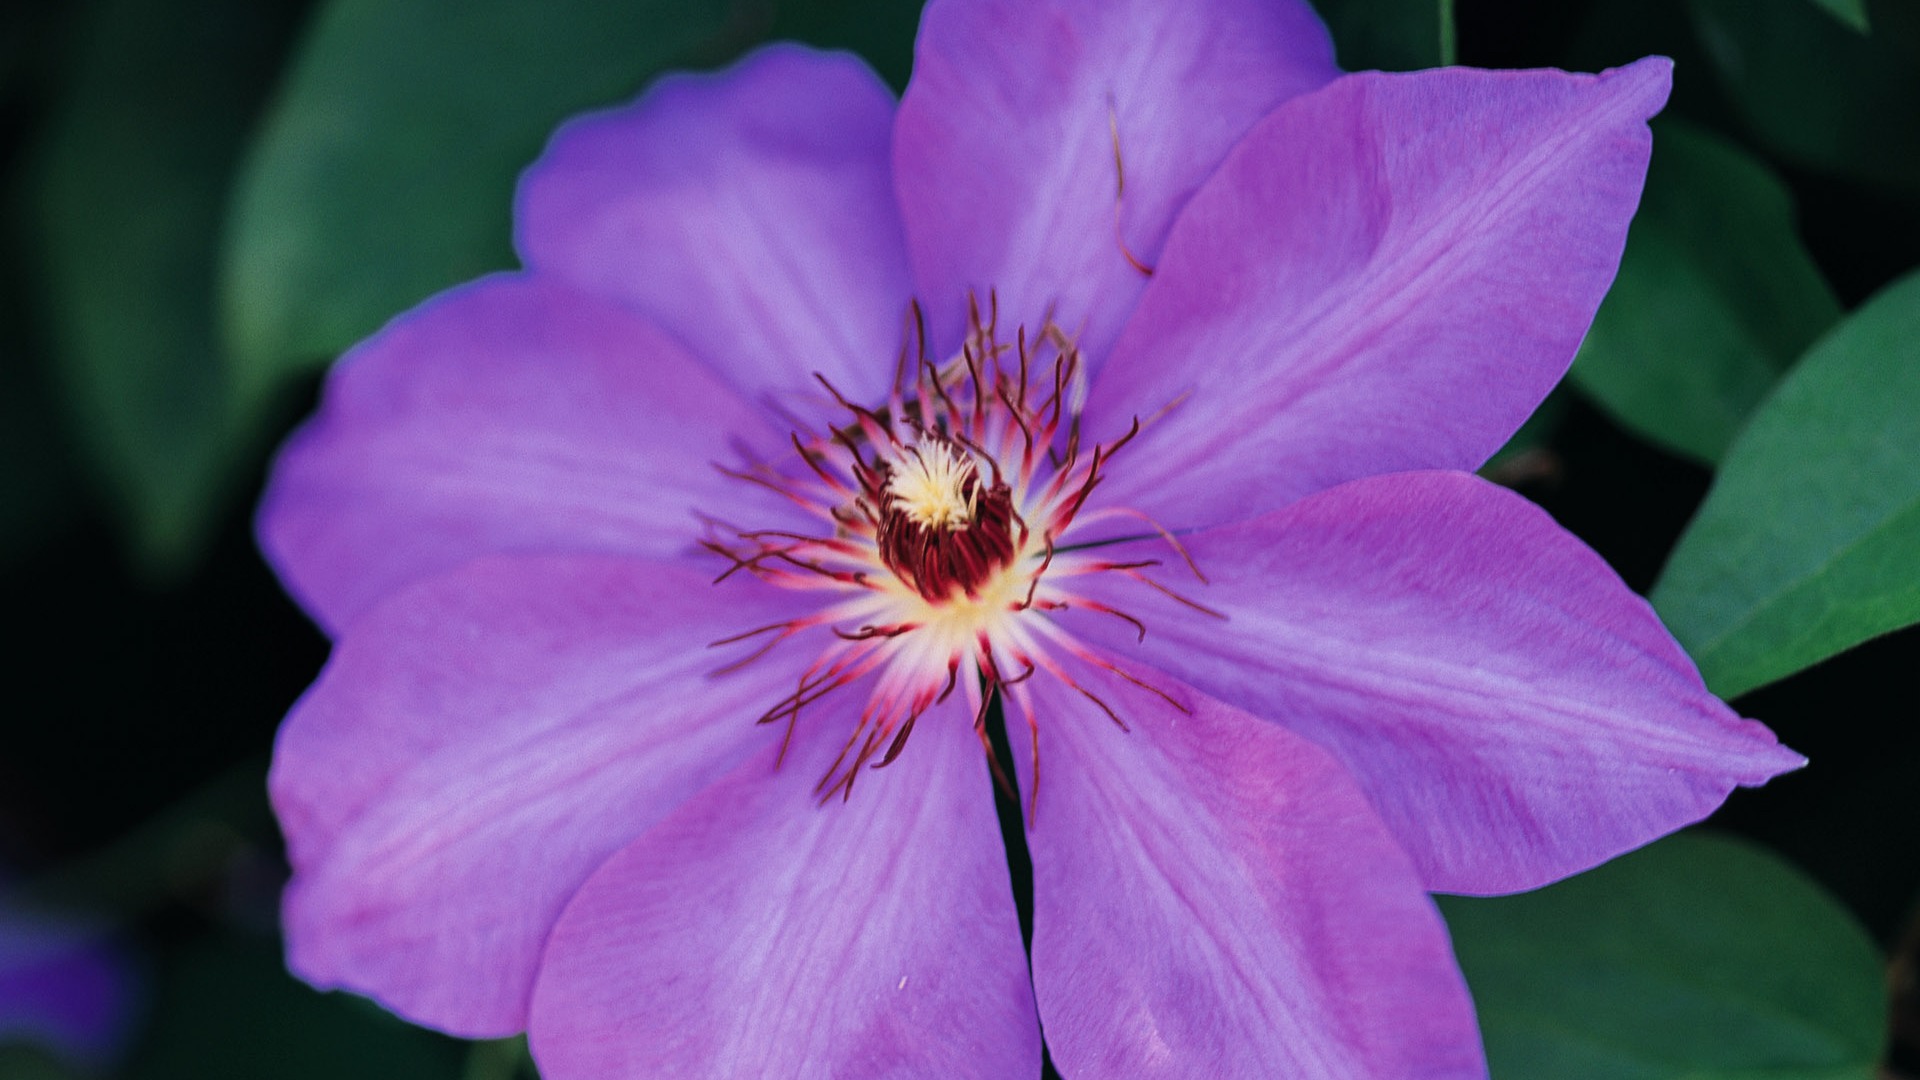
[(152, 654)]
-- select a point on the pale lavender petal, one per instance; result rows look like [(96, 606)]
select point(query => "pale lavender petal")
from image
[(750, 212), (758, 932), (1388, 274), (1515, 712), (511, 414), (1004, 149), (1213, 896), (478, 744)]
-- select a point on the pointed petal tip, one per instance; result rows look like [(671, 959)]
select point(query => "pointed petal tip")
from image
[(1594, 736), (1755, 755), (1747, 752), (1777, 760), (1650, 76)]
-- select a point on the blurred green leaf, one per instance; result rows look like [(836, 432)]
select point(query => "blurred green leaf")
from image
[(1809, 541), (881, 31), (1390, 35), (386, 170), (1852, 13), (1816, 92), (22, 1062), (1700, 957), (127, 192), (499, 1059), (228, 1009), (36, 477), (1715, 298)]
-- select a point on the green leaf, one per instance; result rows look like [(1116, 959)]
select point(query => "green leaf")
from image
[(127, 194), (1700, 957), (37, 481), (499, 1059), (228, 1009), (1715, 298), (22, 1062), (386, 170), (1809, 541), (1390, 35), (1816, 92), (1851, 13), (881, 31)]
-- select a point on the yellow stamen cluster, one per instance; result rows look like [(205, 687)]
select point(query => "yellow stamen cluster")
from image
[(933, 485)]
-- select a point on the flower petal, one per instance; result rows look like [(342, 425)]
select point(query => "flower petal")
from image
[(478, 744), (1513, 710), (1214, 896), (1388, 274), (749, 212), (511, 414), (1005, 145), (759, 933)]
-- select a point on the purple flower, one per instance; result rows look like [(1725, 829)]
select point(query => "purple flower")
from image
[(62, 987), (1127, 371)]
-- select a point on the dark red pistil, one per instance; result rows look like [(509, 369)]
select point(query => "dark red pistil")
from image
[(937, 560)]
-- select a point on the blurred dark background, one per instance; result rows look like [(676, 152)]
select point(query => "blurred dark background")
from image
[(144, 677)]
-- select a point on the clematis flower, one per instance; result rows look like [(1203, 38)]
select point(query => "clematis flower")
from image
[(1126, 373)]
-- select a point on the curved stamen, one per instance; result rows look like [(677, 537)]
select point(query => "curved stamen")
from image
[(945, 511)]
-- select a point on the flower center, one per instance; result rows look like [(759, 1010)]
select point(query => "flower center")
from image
[(943, 542), (939, 532), (933, 486)]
